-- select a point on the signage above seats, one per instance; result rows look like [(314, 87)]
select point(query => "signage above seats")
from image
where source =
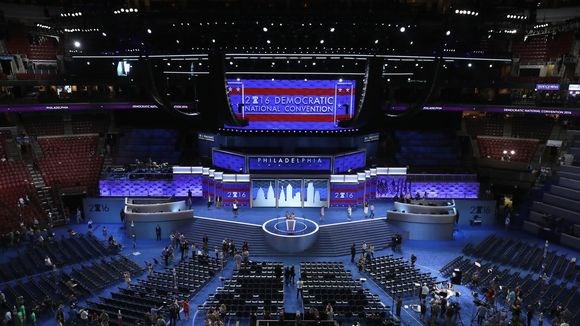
[(548, 87)]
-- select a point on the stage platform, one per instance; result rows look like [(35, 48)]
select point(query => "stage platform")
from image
[(257, 216)]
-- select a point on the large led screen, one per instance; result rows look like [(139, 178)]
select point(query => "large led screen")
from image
[(229, 161), (316, 192), (292, 104), (349, 161)]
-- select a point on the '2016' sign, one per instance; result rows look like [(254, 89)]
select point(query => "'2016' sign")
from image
[(236, 194), (343, 195)]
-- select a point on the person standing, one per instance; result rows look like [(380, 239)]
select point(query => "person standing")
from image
[(79, 215), (372, 209), (209, 201), (349, 212), (329, 312), (507, 221), (235, 207), (186, 308), (158, 232), (238, 260), (366, 208), (322, 214), (352, 253)]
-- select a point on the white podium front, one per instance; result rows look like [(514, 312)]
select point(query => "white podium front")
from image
[(290, 225)]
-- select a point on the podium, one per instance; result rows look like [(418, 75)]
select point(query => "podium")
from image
[(290, 225)]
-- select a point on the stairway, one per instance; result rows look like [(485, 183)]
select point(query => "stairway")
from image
[(44, 195), (334, 240), (217, 230)]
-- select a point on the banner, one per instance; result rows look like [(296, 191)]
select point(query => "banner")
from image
[(292, 104), (289, 163)]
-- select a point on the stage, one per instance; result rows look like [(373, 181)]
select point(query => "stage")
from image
[(257, 216)]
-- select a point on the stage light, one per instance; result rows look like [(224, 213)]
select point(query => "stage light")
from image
[(104, 34), (231, 63), (457, 11), (149, 31), (268, 41), (88, 63), (402, 29), (321, 41), (265, 29), (448, 33), (376, 41), (469, 65), (77, 44), (512, 152), (340, 80), (490, 65), (332, 29), (213, 40)]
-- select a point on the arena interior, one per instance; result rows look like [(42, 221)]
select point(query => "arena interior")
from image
[(311, 162)]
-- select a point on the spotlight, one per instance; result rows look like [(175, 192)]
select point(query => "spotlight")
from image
[(376, 41), (448, 33), (268, 41), (469, 65), (332, 29), (77, 44), (265, 29), (149, 31), (321, 41), (104, 34), (402, 29)]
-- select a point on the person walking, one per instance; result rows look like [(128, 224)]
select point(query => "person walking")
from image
[(299, 286), (352, 253), (292, 274)]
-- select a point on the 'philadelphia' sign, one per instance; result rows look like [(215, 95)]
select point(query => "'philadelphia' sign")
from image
[(289, 163)]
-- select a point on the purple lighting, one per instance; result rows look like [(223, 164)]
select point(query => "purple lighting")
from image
[(145, 188)]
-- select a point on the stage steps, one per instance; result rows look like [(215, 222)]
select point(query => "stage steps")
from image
[(334, 240)]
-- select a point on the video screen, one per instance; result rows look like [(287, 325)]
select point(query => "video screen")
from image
[(289, 104), (229, 161), (349, 162)]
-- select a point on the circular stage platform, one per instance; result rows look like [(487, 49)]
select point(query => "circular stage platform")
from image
[(290, 236)]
